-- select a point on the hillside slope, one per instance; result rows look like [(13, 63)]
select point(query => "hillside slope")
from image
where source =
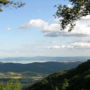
[(32, 72), (44, 67), (75, 79)]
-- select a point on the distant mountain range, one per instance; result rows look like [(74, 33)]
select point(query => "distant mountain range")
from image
[(42, 59), (44, 68)]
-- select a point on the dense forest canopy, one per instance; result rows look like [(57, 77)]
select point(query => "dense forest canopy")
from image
[(69, 15)]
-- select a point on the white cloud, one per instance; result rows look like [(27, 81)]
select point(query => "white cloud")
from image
[(86, 17), (34, 23), (82, 45), (8, 29), (58, 19), (69, 5), (81, 29), (51, 28), (54, 47)]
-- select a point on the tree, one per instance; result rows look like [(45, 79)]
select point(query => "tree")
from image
[(65, 84), (69, 15), (7, 3), (11, 85)]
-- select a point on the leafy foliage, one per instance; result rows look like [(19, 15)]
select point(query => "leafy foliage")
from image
[(11, 85), (71, 14), (74, 79), (6, 3)]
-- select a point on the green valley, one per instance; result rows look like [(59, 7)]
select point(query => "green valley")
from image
[(73, 79)]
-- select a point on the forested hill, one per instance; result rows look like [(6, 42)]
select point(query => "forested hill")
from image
[(46, 67), (74, 79)]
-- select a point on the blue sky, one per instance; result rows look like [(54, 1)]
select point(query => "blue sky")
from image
[(33, 31)]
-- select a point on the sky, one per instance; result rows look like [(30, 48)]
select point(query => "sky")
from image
[(32, 30)]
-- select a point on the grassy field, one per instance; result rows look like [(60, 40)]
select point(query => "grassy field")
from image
[(24, 77)]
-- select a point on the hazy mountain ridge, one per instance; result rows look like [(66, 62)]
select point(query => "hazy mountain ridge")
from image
[(45, 67), (42, 59)]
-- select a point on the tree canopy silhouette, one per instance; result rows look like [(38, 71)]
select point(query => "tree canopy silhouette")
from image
[(69, 15)]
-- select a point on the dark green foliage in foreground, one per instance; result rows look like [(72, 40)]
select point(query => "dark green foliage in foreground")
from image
[(11, 85), (79, 9), (74, 79), (6, 3)]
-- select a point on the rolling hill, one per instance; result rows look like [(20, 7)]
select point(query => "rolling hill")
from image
[(33, 72), (45, 68), (73, 79)]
